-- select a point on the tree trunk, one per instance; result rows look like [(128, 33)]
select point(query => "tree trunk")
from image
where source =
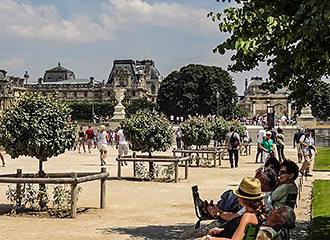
[(151, 168), (42, 187)]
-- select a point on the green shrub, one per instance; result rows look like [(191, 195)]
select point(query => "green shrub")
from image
[(196, 131), (219, 128), (148, 131)]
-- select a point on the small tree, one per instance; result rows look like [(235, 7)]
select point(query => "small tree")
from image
[(219, 128), (196, 131), (37, 126), (148, 132)]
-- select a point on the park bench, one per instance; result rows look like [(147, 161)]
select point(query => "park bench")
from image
[(216, 153), (156, 159)]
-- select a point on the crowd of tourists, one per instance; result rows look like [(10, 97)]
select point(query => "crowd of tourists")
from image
[(102, 139)]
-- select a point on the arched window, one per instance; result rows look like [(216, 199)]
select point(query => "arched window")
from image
[(153, 89)]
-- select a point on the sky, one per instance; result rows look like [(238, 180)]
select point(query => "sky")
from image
[(87, 36)]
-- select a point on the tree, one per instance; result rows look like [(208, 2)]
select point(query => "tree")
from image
[(197, 89), (148, 132), (37, 126), (219, 128), (136, 105), (320, 103), (292, 36), (196, 131)]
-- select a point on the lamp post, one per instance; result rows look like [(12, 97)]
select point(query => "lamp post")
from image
[(271, 116)]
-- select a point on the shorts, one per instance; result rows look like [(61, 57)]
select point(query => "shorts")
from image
[(122, 149), (103, 147), (81, 140), (89, 141), (299, 150)]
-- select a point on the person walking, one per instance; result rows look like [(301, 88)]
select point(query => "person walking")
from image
[(81, 140), (3, 160), (267, 147), (280, 144), (297, 144), (90, 138), (178, 138), (102, 144), (233, 145), (309, 151), (122, 144), (260, 137)]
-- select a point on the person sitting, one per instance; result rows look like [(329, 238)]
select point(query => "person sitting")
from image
[(250, 197), (278, 218), (288, 174), (274, 164)]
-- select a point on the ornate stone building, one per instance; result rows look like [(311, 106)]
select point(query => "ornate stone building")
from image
[(138, 78), (256, 100)]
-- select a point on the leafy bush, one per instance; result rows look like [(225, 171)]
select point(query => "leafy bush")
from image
[(148, 131), (196, 131), (37, 126), (219, 128), (62, 198)]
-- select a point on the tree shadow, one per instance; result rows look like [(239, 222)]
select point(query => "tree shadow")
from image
[(321, 227), (301, 230), (150, 232), (5, 208)]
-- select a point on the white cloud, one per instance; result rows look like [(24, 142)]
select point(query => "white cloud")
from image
[(130, 13), (11, 63), (44, 22)]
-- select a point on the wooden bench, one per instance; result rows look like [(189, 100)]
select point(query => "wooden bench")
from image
[(156, 159), (216, 154)]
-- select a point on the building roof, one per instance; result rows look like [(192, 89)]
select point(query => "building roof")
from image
[(58, 74)]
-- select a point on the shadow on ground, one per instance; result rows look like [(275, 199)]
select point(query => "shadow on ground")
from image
[(301, 231), (150, 232), (5, 208), (321, 228)]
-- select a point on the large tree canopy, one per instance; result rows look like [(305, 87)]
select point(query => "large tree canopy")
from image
[(321, 101), (197, 89), (291, 35)]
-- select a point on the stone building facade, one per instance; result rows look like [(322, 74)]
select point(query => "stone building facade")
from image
[(138, 78), (256, 100)]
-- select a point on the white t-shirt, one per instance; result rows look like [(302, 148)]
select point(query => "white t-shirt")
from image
[(261, 135), (121, 137)]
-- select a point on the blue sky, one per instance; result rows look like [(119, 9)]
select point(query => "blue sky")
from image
[(86, 36)]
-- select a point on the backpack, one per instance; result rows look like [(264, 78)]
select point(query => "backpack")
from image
[(229, 202), (234, 142)]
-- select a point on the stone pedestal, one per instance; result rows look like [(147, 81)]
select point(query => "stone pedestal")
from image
[(119, 114), (306, 119)]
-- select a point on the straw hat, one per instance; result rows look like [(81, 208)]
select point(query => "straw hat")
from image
[(102, 127), (249, 188)]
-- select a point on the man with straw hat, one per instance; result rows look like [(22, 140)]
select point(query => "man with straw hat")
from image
[(102, 144)]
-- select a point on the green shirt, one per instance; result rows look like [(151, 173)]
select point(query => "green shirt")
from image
[(267, 144), (281, 192)]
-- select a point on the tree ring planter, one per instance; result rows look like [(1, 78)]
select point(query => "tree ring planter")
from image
[(158, 159), (61, 178)]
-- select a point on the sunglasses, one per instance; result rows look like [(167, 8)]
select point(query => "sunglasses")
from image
[(283, 172)]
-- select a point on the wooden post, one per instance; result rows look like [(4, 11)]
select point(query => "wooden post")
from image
[(186, 170), (176, 175), (18, 189), (119, 170), (215, 159), (103, 190), (74, 197), (134, 169)]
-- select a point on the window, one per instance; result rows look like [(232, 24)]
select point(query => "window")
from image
[(153, 89)]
